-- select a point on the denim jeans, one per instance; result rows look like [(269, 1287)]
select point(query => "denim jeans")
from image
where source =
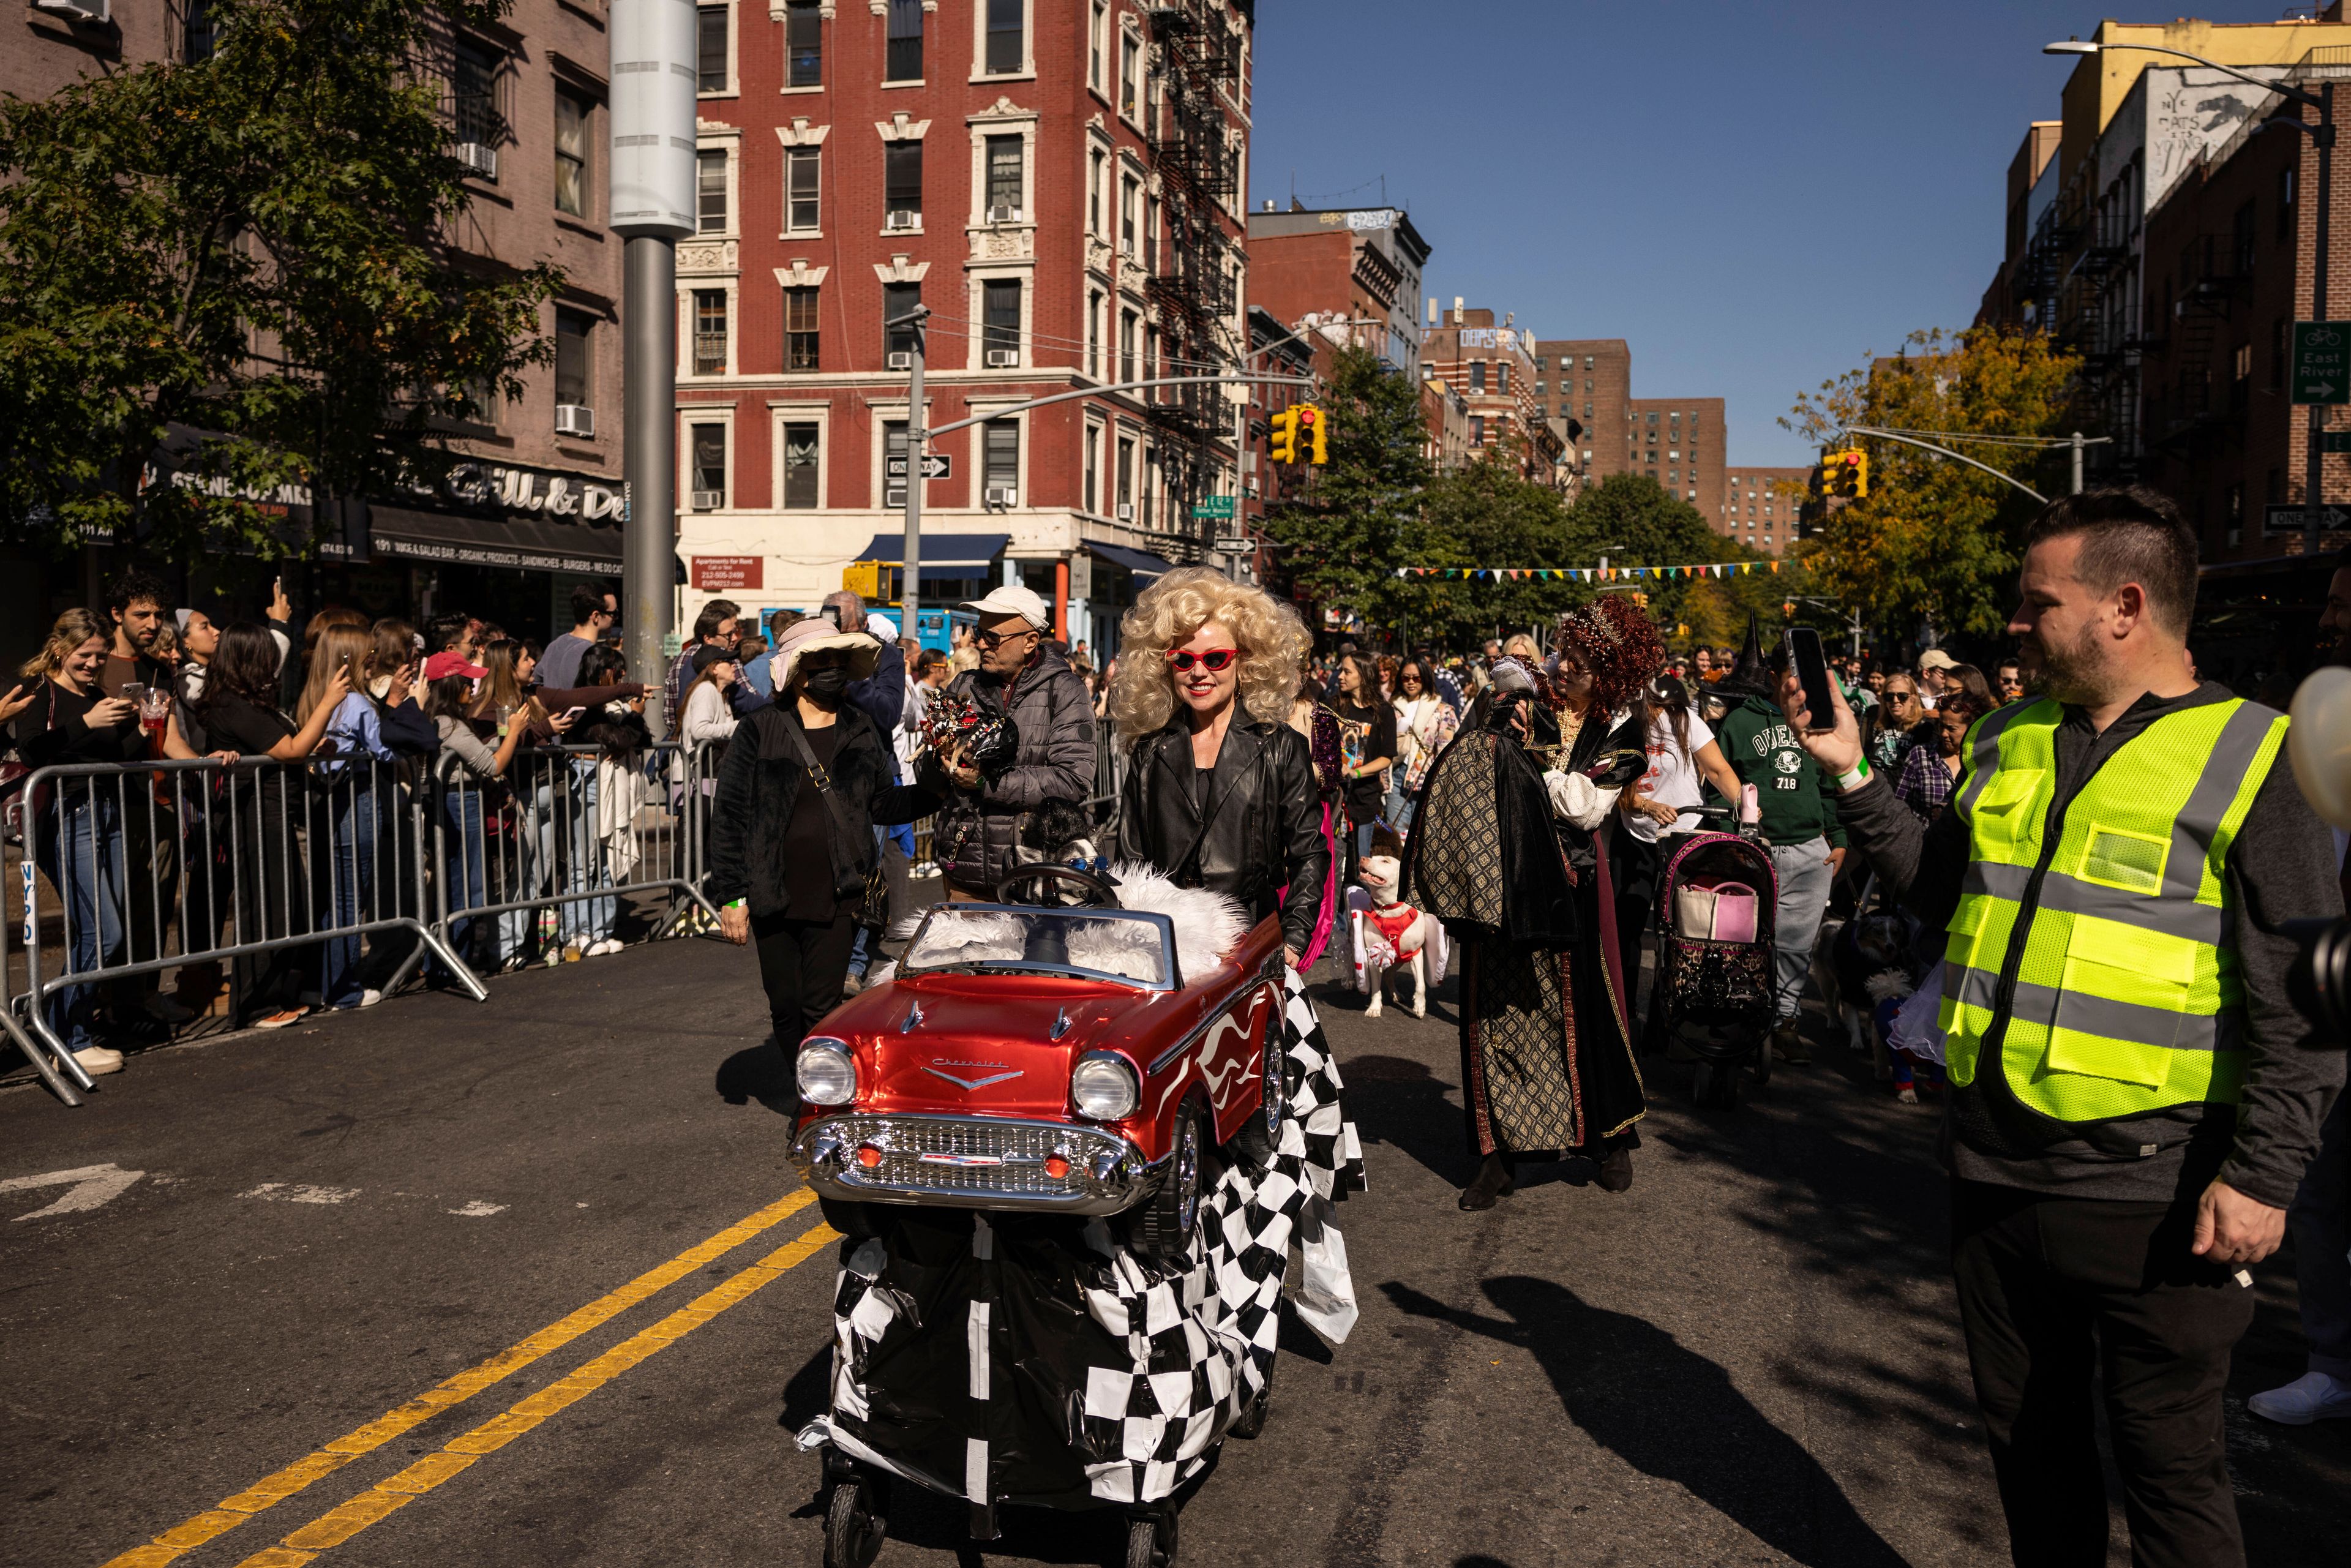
[(462, 872), (79, 844), (1803, 873), (591, 919), (533, 854), (359, 826)]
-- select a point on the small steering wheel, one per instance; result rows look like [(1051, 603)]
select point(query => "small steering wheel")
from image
[(1095, 892)]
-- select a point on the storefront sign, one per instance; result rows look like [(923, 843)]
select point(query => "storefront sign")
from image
[(497, 487), (726, 573)]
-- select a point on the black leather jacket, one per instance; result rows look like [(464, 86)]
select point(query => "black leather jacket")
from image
[(1264, 821)]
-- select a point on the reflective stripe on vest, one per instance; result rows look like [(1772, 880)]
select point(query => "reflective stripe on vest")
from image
[(2126, 998)]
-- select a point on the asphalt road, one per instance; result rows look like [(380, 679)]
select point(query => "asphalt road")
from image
[(530, 1284)]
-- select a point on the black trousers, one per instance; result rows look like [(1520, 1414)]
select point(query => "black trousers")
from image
[(2056, 1291), (802, 964)]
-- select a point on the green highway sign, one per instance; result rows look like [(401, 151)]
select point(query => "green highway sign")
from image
[(1213, 506), (2322, 361)]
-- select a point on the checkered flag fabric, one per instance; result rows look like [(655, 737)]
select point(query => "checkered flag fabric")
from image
[(1157, 1360)]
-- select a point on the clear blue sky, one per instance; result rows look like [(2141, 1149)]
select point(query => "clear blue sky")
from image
[(1756, 194)]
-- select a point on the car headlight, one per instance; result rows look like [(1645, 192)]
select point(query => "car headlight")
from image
[(828, 1076), (1103, 1086)]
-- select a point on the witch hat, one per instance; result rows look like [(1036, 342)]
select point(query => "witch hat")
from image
[(1750, 676)]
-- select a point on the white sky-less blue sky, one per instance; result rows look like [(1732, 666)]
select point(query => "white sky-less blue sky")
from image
[(1755, 195)]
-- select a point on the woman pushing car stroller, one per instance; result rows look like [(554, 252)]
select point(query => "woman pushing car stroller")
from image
[(1508, 850)]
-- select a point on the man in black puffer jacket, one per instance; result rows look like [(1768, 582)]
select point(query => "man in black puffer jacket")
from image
[(979, 827)]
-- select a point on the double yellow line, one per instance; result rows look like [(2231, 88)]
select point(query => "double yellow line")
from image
[(340, 1523)]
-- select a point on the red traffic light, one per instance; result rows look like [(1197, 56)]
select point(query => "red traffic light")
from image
[(1305, 416), (1853, 459)]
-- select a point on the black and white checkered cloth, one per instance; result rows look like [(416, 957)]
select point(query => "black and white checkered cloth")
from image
[(1088, 1373)]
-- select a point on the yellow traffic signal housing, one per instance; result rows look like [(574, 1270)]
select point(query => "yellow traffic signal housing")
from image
[(1856, 474), (1640, 599), (1821, 481), (1314, 434), (1283, 448), (864, 579)]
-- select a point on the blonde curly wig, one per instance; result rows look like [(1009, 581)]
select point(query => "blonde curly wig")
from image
[(1273, 640)]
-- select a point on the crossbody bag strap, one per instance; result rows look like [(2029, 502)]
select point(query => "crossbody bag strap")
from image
[(817, 774)]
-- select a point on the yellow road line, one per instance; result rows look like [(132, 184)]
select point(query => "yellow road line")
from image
[(338, 1524), (271, 1490)]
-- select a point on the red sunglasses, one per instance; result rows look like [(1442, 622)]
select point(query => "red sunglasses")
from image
[(1216, 661)]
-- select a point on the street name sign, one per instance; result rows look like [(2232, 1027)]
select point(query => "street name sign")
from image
[(2322, 361), (1213, 506), (935, 465)]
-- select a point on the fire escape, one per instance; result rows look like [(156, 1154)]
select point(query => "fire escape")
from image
[(1197, 152), (2187, 417)]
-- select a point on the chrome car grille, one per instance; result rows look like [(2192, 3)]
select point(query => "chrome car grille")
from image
[(969, 1163)]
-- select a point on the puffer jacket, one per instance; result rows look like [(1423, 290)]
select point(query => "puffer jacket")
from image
[(1264, 825), (978, 830)]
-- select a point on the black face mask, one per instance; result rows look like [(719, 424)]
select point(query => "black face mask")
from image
[(827, 686)]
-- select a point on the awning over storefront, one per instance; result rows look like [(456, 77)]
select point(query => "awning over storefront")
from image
[(946, 557), (1141, 562), (525, 544)]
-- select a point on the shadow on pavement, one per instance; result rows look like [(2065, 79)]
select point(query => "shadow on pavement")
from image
[(760, 1073), (1672, 1414)]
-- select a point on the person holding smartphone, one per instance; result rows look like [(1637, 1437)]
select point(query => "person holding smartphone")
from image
[(1807, 842)]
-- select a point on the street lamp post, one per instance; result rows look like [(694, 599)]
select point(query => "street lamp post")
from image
[(2322, 136)]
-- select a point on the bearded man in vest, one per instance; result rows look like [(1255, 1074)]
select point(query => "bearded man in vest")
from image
[(2133, 1096)]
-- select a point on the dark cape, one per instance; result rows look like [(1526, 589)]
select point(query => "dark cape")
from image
[(1547, 1061)]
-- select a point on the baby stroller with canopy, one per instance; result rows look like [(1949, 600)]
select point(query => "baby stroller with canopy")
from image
[(1714, 990)]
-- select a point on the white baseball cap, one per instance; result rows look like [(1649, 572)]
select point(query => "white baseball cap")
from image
[(1008, 599)]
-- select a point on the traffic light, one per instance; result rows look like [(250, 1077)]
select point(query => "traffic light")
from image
[(1821, 481), (1283, 448), (1314, 434), (1640, 599), (1852, 474)]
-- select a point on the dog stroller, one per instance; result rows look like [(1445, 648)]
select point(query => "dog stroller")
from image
[(1714, 990)]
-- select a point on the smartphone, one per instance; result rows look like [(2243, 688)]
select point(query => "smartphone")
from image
[(1811, 667), (574, 712), (133, 693)]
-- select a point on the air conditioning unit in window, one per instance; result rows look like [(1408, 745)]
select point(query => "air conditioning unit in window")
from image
[(1003, 359), (903, 359), (480, 158), (708, 500), (1004, 215), (1126, 511), (78, 10), (575, 418), (1001, 496), (902, 219)]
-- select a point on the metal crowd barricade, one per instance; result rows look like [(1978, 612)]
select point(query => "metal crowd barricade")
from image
[(545, 852), (156, 865)]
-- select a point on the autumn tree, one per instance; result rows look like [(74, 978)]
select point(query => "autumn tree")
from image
[(1339, 546), (257, 245), (1937, 540)]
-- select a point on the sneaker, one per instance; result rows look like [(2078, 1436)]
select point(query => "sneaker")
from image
[(604, 949), (852, 983), (367, 999), (281, 1017), (98, 1060), (2313, 1397), (1907, 1094)]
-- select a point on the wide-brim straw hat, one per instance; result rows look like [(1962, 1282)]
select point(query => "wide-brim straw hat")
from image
[(813, 634)]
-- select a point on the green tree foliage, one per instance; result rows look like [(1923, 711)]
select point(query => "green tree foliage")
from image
[(260, 245), (1937, 540), (1340, 548)]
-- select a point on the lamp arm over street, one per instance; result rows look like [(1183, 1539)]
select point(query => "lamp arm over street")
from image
[(1945, 452), (1235, 376)]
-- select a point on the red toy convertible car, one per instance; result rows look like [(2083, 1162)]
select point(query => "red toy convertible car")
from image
[(1076, 1059)]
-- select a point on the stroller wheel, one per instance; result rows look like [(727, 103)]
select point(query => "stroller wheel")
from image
[(1762, 1065), (1715, 1085), (854, 1524), (1151, 1541)]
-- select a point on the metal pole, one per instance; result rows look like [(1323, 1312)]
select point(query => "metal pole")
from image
[(911, 593), (2313, 489), (648, 451), (2078, 462)]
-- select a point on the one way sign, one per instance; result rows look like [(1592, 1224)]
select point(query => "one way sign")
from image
[(2288, 520), (2322, 361)]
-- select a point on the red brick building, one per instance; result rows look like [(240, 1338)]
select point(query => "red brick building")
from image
[(1590, 382), (1492, 370), (1759, 507), (1678, 442), (1062, 185)]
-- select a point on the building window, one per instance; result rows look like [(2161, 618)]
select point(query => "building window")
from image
[(1130, 76), (474, 94), (573, 113), (709, 447), (1004, 173), (1000, 452), (1095, 78), (1125, 478), (902, 177), (710, 192), (1130, 206), (1000, 318), (1129, 331), (904, 60), (201, 35), (1477, 429), (2277, 353), (1477, 375), (2285, 192), (899, 299), (893, 450), (710, 49), (799, 329), (1150, 482), (801, 453), (1092, 496), (574, 362), (801, 189), (803, 44), (710, 332), (1007, 39), (2241, 238), (1094, 162), (1093, 334)]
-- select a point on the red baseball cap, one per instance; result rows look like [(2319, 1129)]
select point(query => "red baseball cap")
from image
[(449, 662)]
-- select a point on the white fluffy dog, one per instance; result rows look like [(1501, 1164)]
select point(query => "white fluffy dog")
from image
[(1385, 933)]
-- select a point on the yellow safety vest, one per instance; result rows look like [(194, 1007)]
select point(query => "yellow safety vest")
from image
[(2122, 992)]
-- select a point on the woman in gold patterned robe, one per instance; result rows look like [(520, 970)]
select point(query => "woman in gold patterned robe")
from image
[(1512, 855)]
